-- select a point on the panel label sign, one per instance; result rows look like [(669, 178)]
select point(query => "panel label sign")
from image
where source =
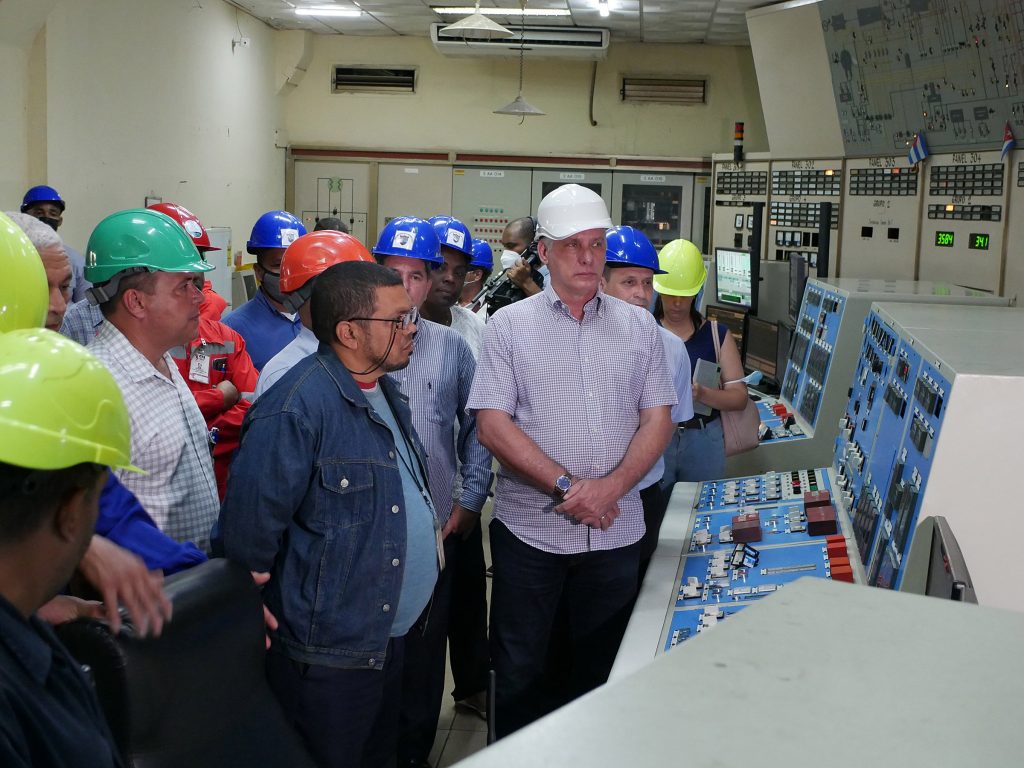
[(569, 176), (492, 174), (652, 178)]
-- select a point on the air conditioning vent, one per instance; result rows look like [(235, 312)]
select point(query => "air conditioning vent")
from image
[(373, 80), (538, 42), (664, 90)]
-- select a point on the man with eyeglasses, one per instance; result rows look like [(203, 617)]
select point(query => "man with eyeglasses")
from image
[(437, 382), (329, 494)]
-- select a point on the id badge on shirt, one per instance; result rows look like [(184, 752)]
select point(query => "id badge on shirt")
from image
[(199, 367)]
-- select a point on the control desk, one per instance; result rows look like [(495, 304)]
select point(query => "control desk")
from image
[(930, 428), (798, 425)]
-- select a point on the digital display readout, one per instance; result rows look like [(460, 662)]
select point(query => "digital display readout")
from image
[(978, 242), (944, 239)]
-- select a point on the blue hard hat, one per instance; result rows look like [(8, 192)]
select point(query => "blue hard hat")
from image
[(275, 229), (453, 234), (42, 194), (410, 237), (483, 257), (630, 247)]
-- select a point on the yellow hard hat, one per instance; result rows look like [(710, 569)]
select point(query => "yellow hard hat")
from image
[(59, 406), (685, 272), (24, 294)]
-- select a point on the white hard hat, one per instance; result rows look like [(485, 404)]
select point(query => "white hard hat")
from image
[(571, 209)]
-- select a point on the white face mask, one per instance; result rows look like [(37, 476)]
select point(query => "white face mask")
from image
[(508, 258)]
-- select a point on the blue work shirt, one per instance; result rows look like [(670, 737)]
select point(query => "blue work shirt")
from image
[(265, 330), (679, 367), (315, 497), (303, 345), (49, 714), (123, 520), (420, 539)]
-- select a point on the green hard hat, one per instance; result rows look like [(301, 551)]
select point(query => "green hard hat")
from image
[(24, 294), (140, 238), (685, 272), (59, 406)]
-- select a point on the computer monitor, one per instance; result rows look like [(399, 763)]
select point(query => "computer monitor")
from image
[(734, 278), (761, 347), (797, 281), (249, 281), (733, 319)]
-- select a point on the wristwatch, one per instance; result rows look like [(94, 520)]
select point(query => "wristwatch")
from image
[(562, 485)]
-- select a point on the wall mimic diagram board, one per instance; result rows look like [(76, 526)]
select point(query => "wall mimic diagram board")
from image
[(952, 68)]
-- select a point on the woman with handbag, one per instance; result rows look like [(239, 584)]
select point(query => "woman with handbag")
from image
[(697, 449)]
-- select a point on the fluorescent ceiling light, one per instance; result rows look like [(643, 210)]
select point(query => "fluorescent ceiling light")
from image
[(462, 10), (346, 12)]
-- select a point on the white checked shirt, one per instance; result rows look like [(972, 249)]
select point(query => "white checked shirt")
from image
[(576, 389), (169, 441)]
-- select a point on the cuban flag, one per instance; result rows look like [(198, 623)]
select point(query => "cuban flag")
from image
[(918, 149), (1008, 142)]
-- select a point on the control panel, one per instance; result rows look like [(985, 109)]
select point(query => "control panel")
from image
[(825, 353), (964, 219), (814, 341), (880, 214), (885, 446), (798, 188), (737, 186), (748, 538)]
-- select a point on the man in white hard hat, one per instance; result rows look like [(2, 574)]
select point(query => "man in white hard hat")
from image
[(573, 396)]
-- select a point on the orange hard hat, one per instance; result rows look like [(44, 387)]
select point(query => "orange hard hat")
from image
[(189, 222), (311, 254)]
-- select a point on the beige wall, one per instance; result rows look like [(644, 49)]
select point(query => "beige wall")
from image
[(13, 126), (146, 96), (452, 108)]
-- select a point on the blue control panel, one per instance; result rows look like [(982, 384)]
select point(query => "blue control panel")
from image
[(777, 422), (713, 587), (750, 536), (885, 446), (812, 348)]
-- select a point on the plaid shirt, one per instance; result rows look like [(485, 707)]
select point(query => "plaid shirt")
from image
[(82, 322), (576, 389), (437, 382), (169, 441)]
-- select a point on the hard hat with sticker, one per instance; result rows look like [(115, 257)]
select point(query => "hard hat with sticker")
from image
[(409, 237), (453, 234)]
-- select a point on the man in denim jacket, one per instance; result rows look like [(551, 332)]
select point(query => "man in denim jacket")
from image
[(329, 494)]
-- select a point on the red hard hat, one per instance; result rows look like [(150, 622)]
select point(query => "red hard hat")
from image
[(311, 254), (189, 222)]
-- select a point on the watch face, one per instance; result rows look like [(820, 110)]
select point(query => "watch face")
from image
[(563, 483)]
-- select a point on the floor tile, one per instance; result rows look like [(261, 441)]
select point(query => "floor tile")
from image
[(462, 744)]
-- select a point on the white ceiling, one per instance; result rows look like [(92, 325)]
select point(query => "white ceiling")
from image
[(717, 22)]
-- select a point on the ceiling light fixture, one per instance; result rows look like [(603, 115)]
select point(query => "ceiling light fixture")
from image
[(457, 10), (603, 9), (476, 25), (519, 106), (333, 11)]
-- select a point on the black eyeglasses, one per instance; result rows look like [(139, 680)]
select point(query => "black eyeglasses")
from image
[(401, 323)]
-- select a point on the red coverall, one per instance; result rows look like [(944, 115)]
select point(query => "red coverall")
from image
[(227, 361)]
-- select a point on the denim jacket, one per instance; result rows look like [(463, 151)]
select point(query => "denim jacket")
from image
[(315, 497)]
